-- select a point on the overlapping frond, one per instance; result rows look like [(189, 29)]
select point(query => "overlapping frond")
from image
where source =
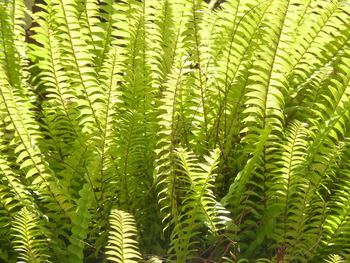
[(199, 207)]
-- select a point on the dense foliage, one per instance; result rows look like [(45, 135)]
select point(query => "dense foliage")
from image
[(175, 131)]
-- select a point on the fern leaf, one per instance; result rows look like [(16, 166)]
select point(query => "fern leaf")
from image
[(77, 61), (334, 259), (199, 205), (80, 225), (122, 245), (30, 237), (29, 156), (58, 110)]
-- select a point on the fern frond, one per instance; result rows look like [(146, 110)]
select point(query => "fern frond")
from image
[(235, 194), (336, 224), (89, 20), (195, 106), (30, 240), (334, 259), (202, 177), (11, 178), (168, 140), (9, 55), (60, 115), (29, 156), (9, 205), (17, 13), (78, 62), (328, 15), (288, 178), (199, 205), (234, 60), (111, 76), (122, 245), (80, 224), (113, 28)]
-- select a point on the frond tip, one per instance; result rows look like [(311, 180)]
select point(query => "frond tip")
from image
[(334, 259), (122, 246), (29, 238)]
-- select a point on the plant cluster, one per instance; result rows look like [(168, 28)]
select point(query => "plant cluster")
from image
[(174, 131)]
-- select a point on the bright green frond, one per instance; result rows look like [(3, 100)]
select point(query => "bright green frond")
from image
[(122, 243)]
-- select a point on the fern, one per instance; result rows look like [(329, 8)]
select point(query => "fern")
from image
[(30, 237), (110, 111), (199, 206), (122, 246), (334, 259), (80, 223)]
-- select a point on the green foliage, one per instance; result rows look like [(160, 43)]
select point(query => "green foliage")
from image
[(174, 131)]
